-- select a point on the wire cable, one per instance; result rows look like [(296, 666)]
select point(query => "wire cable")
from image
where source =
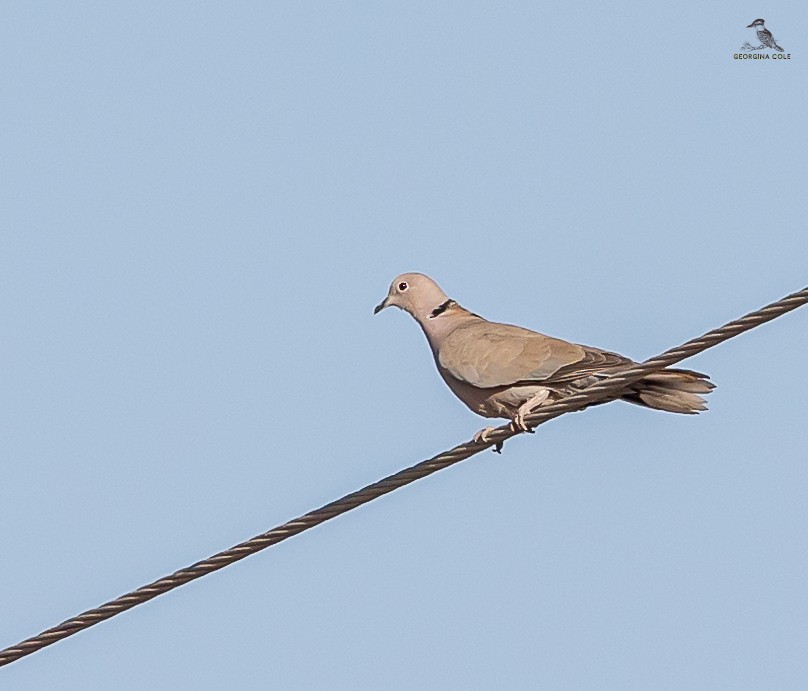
[(607, 388)]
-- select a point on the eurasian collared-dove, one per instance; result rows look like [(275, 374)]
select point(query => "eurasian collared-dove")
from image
[(500, 370)]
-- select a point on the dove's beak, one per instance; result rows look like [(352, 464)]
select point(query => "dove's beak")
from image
[(749, 26), (378, 308)]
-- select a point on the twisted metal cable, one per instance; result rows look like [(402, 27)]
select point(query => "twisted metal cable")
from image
[(605, 389)]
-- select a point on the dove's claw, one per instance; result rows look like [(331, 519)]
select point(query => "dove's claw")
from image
[(482, 436), (522, 427), (519, 425)]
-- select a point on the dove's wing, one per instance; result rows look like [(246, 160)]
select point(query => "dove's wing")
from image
[(487, 355)]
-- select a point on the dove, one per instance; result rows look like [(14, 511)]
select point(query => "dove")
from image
[(505, 371)]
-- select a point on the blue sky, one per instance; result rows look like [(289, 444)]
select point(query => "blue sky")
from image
[(201, 204)]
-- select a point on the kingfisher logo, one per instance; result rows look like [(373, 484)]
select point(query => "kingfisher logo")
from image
[(759, 50)]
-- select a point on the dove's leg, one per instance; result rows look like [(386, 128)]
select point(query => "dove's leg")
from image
[(518, 422)]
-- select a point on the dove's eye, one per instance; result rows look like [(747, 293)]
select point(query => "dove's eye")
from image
[(402, 286)]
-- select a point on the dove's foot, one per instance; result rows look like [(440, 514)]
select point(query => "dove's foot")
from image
[(518, 423), (483, 437)]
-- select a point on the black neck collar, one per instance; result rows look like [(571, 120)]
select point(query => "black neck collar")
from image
[(440, 309)]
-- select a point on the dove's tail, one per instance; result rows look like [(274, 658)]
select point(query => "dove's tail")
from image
[(776, 47), (672, 390)]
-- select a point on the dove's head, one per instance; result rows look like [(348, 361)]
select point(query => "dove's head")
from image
[(414, 293), (757, 22)]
